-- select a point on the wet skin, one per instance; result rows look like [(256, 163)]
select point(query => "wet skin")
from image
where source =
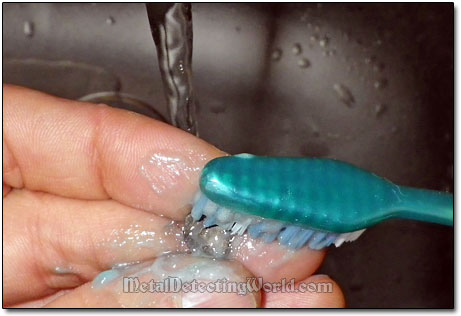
[(87, 187)]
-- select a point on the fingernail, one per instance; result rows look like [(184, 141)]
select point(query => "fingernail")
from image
[(218, 300), (319, 277)]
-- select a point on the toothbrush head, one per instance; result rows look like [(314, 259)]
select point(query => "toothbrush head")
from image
[(312, 201), (269, 230), (296, 201)]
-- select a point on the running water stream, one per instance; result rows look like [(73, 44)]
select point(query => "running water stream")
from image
[(171, 27)]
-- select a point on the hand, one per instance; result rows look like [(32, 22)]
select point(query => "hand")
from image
[(87, 187)]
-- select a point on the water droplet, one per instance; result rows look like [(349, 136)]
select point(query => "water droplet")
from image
[(181, 67), (296, 49), (276, 54), (369, 60), (381, 83), (28, 28), (380, 109), (314, 38), (378, 67), (110, 20), (329, 52), (304, 63), (344, 94), (324, 41)]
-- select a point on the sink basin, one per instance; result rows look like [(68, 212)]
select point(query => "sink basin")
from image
[(371, 84)]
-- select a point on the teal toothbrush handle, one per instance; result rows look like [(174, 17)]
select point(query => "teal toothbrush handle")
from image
[(322, 194), (425, 205)]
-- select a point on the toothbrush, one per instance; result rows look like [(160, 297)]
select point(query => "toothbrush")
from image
[(307, 201)]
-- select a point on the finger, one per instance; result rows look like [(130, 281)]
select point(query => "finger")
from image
[(5, 189), (108, 289), (318, 291), (57, 243), (41, 301), (52, 243), (266, 262), (85, 151), (273, 261)]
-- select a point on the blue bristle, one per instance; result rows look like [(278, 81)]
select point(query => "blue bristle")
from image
[(271, 226), (210, 221), (291, 236), (197, 210), (301, 239), (328, 240), (269, 237), (255, 230), (286, 235), (224, 215), (210, 209), (316, 240)]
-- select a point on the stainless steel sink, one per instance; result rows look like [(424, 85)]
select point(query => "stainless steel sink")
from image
[(371, 84)]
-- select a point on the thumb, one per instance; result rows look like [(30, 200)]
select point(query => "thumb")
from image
[(171, 281)]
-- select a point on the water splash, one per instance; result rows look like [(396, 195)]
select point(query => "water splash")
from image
[(210, 242), (171, 27)]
